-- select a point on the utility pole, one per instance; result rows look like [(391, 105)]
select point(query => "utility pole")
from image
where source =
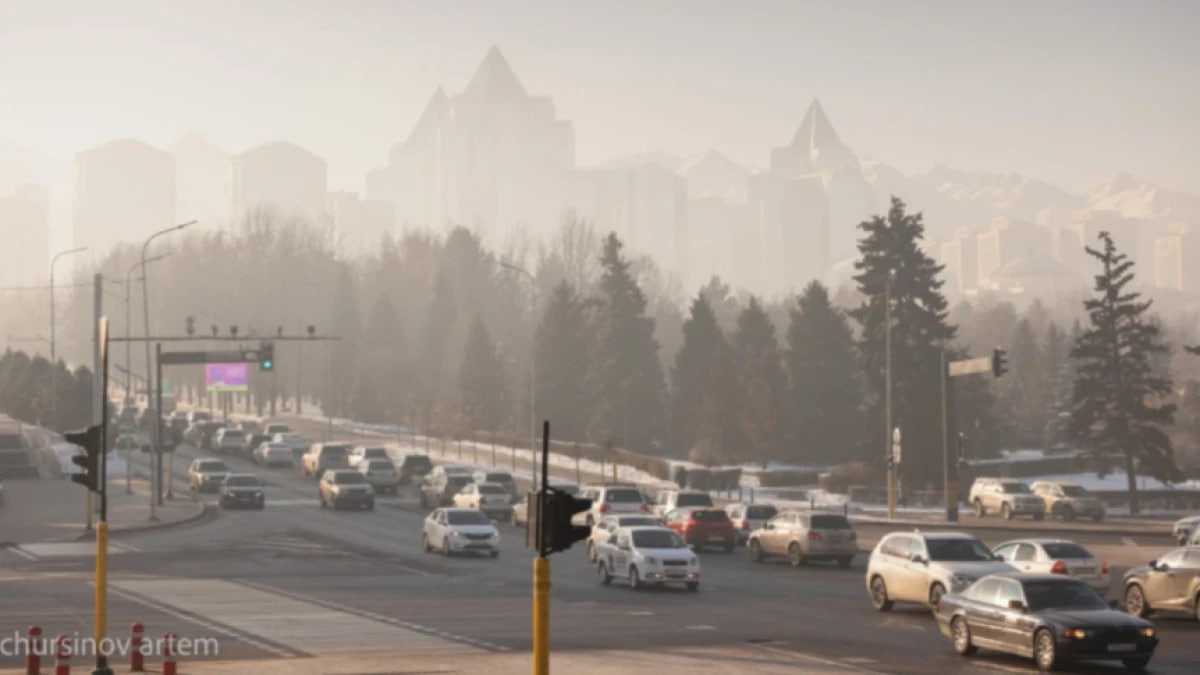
[(887, 395), (54, 353), (98, 378)]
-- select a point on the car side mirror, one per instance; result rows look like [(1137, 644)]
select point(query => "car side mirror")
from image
[(768, 526), (1016, 605), (918, 558)]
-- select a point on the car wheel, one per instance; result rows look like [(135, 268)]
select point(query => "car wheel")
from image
[(936, 592), (1135, 601), (322, 498), (445, 547), (845, 562), (1045, 650), (962, 636), (1136, 663), (979, 510), (425, 543), (605, 577), (729, 547), (635, 582), (756, 553), (1006, 512), (591, 552), (370, 506), (795, 557), (1068, 513), (693, 586), (1196, 604), (262, 505), (590, 521), (879, 594)]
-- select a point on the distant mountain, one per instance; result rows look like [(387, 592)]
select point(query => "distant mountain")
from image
[(661, 157), (1134, 198), (716, 175)]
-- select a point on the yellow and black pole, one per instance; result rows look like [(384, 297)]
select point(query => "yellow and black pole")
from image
[(541, 569), (102, 526)]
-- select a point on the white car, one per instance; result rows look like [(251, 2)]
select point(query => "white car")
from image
[(749, 517), (273, 428), (603, 530), (207, 475), (293, 440), (920, 567), (669, 500), (229, 440), (362, 452), (647, 555), (454, 530), (491, 498), (274, 453), (1056, 556), (1185, 527), (610, 499)]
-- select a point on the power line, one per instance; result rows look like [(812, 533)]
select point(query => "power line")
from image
[(46, 287)]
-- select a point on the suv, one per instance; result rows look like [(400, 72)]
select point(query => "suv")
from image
[(439, 490), (229, 440), (324, 456), (920, 567), (608, 499), (669, 500), (346, 487), (702, 527), (207, 475), (749, 517), (502, 478), (1006, 496), (801, 537), (1067, 500), (413, 468), (362, 452)]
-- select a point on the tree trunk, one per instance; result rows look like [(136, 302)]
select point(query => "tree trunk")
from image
[(1131, 477)]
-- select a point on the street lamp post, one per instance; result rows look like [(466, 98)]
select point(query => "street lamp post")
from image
[(155, 457), (53, 353), (887, 393), (129, 325), (532, 365)]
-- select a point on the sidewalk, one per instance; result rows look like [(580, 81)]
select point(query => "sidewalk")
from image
[(731, 660), (54, 510)]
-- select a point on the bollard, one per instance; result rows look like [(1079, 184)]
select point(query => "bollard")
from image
[(33, 658), (168, 650), (62, 656), (136, 659)]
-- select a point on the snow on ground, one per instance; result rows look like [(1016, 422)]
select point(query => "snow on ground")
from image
[(1114, 482)]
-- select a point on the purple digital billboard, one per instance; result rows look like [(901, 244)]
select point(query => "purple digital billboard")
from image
[(225, 376)]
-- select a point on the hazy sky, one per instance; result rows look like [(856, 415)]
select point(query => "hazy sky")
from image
[(1071, 92)]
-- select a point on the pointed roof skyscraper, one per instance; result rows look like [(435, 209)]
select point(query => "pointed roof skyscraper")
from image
[(815, 130), (494, 80), (435, 111)]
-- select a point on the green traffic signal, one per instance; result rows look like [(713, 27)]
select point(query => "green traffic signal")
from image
[(266, 356)]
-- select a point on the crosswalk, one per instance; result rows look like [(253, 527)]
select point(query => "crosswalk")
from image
[(67, 549), (287, 624)]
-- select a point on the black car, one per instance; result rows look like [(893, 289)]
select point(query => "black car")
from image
[(441, 492), (1050, 618), (255, 440), (242, 490), (413, 468)]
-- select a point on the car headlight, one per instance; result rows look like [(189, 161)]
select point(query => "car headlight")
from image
[(1148, 632), (258, 494), (651, 560), (961, 580), (456, 533), (1076, 633)]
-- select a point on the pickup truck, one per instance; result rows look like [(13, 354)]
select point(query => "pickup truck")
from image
[(647, 555)]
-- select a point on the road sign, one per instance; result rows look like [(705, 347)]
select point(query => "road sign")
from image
[(896, 452), (970, 366)]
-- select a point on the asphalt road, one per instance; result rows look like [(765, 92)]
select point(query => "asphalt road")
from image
[(295, 580)]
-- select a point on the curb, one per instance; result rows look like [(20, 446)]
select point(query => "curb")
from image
[(150, 527), (1000, 527)]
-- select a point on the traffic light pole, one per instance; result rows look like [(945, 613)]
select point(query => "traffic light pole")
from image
[(997, 364), (541, 570), (102, 527)]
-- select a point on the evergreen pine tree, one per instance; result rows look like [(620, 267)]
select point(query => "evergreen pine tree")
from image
[(824, 395), (481, 382), (691, 372), (383, 357), (347, 323), (762, 383), (1022, 387), (564, 352), (627, 380), (441, 315), (920, 331), (1057, 376), (720, 437), (1117, 396)]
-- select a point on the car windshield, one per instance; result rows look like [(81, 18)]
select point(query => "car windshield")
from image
[(348, 478), (825, 522), (958, 550), (694, 499), (633, 521), (1073, 491), (756, 512), (709, 515), (289, 437), (375, 452), (334, 451), (1067, 550), (417, 462), (450, 469), (657, 539), (212, 466), (241, 481), (457, 481), (624, 496), (1014, 487), (467, 518), (380, 465), (1062, 594), (234, 433), (491, 490), (498, 478), (277, 446)]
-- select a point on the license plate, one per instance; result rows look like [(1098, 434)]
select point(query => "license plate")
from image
[(716, 538), (675, 573), (1122, 647), (1084, 571)]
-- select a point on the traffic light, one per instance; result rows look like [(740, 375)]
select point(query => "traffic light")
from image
[(558, 534), (999, 362), (92, 442), (266, 356)]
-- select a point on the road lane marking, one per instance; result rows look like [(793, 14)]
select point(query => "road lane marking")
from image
[(24, 554), (704, 627), (300, 625), (426, 630), (841, 664), (67, 549), (641, 613), (1128, 541), (858, 659)]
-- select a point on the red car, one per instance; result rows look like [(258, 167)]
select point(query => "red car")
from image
[(703, 527)]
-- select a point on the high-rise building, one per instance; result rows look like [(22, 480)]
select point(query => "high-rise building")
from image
[(1177, 260), (282, 177), (490, 158), (1006, 240), (25, 231), (359, 225), (202, 180), (124, 192), (960, 255)]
